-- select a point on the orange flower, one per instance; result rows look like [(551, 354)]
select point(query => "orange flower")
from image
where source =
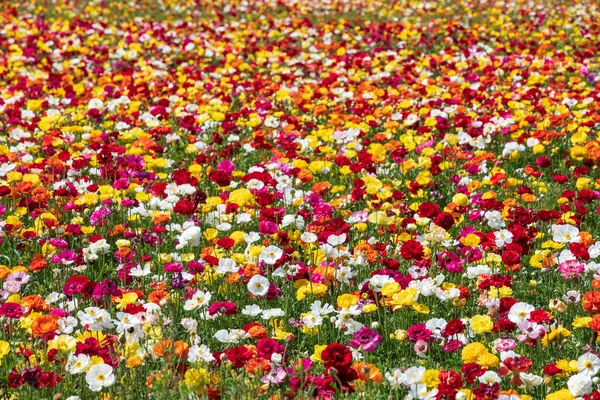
[(257, 366), (233, 278), (36, 303), (595, 323), (162, 347), (305, 175), (44, 324), (117, 230), (124, 252), (24, 187), (181, 348), (40, 194), (160, 218), (321, 188), (591, 302), (159, 296), (258, 332), (250, 270), (367, 372), (38, 265)]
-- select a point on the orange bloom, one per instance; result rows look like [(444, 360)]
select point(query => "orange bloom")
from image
[(367, 372), (251, 270), (124, 252), (40, 194), (36, 303), (257, 366), (44, 324), (181, 348), (162, 347), (117, 230), (158, 296), (160, 218), (595, 323), (321, 188), (258, 332), (591, 302), (24, 187), (38, 265)]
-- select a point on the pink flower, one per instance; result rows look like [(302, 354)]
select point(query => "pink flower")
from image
[(571, 269), (366, 339)]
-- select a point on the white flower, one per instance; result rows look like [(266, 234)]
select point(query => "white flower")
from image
[(565, 234), (413, 375), (308, 237), (270, 255), (6, 168), (312, 320), (226, 265), (396, 378), (95, 103), (200, 353), (588, 364), (336, 240), (272, 313), (520, 312), (199, 299), (579, 385), (530, 380), (139, 271), (594, 250), (99, 376), (79, 364), (251, 237), (95, 318), (258, 285), (503, 237), (231, 336), (489, 378), (252, 310), (494, 219), (189, 324), (190, 237)]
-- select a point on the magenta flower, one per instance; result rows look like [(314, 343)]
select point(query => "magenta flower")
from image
[(571, 269), (366, 339)]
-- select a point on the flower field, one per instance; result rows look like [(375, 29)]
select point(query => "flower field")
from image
[(295, 199)]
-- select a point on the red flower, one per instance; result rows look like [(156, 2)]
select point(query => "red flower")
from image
[(450, 379), (444, 220), (221, 178), (412, 250), (336, 355), (580, 250), (454, 327), (429, 210), (184, 207), (472, 371)]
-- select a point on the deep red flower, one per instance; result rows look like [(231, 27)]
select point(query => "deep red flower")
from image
[(336, 355), (412, 250)]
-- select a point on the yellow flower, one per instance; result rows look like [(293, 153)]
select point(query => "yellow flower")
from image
[(481, 324), (390, 288), (471, 352), (4, 349), (347, 300), (316, 357), (563, 394), (581, 322), (488, 360), (471, 240), (431, 378), (196, 378), (369, 308)]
